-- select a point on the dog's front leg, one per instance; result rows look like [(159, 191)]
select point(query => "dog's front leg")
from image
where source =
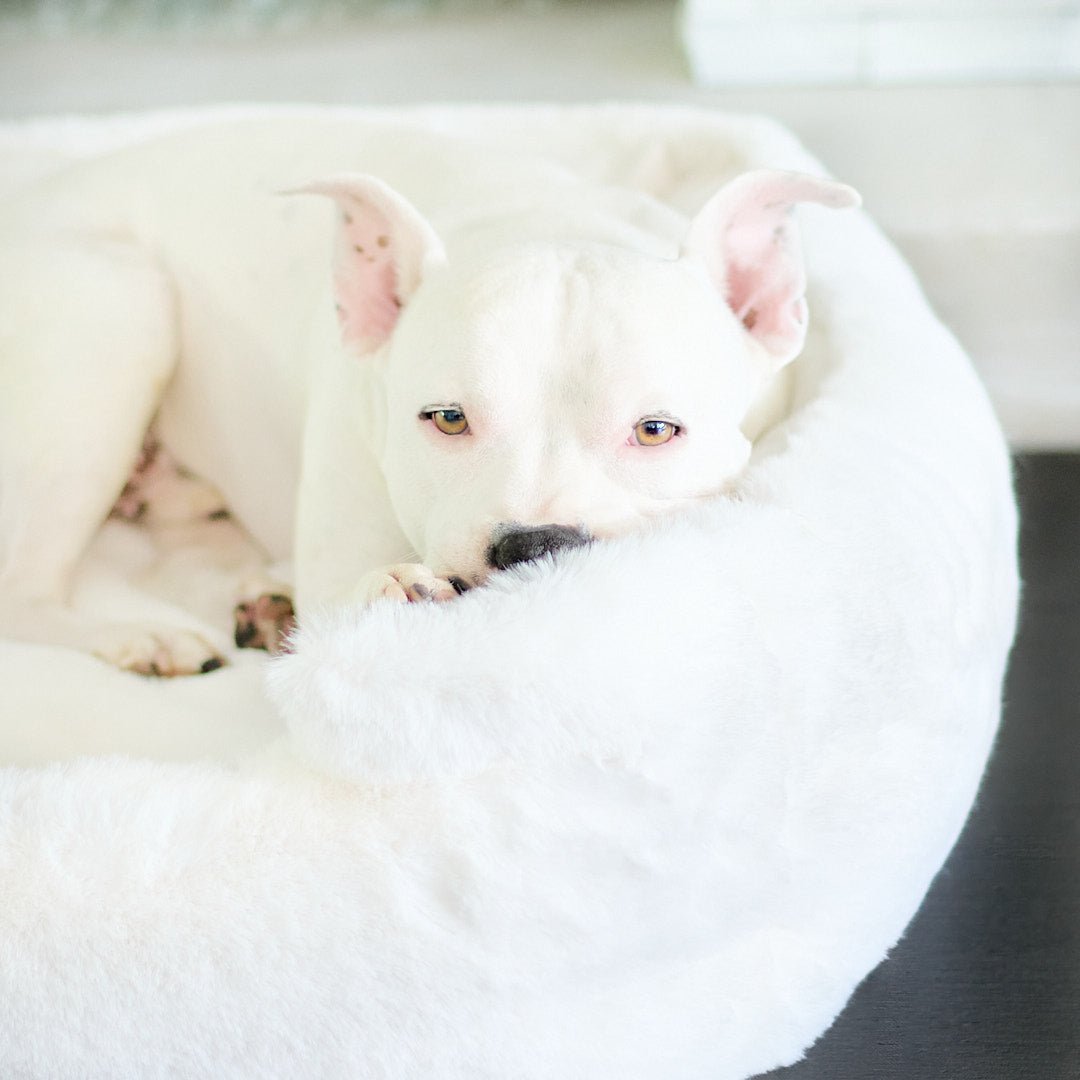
[(349, 545), (346, 527)]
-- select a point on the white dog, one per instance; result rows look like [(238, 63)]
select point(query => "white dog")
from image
[(519, 361)]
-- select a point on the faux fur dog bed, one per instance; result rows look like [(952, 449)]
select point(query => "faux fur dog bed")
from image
[(651, 812)]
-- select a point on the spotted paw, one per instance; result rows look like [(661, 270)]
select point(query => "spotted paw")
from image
[(151, 650), (407, 583), (265, 623)]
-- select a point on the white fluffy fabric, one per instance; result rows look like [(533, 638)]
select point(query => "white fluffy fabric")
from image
[(651, 812)]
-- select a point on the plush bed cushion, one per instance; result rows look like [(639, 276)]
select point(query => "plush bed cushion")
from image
[(651, 812)]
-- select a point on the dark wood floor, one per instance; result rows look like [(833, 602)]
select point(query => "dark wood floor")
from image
[(986, 983)]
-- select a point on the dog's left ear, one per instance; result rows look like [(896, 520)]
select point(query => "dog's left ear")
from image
[(747, 238), (383, 248)]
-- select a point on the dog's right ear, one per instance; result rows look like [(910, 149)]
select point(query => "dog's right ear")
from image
[(383, 248), (747, 239)]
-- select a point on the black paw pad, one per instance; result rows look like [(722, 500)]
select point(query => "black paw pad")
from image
[(264, 623)]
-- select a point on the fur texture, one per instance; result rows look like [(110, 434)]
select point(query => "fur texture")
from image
[(652, 811)]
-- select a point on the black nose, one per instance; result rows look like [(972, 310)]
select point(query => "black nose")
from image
[(519, 543)]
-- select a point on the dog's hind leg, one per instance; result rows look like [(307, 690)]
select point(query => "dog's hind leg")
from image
[(88, 341)]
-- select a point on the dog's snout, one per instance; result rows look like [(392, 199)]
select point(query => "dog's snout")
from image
[(517, 544)]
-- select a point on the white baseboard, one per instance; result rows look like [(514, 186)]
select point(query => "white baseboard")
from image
[(789, 42), (1009, 297)]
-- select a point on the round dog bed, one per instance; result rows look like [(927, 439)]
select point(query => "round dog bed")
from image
[(652, 811)]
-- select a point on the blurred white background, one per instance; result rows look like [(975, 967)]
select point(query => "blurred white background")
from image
[(959, 120)]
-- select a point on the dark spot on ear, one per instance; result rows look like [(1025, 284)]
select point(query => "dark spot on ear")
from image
[(357, 247), (347, 217), (750, 319), (383, 241)]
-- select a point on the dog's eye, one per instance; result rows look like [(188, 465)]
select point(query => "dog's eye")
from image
[(655, 432), (448, 421)]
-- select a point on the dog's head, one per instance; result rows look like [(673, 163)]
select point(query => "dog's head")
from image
[(541, 394)]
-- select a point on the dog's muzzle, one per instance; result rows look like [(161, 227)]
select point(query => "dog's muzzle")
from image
[(515, 544)]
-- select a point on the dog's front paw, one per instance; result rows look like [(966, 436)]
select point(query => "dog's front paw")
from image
[(153, 650), (405, 583)]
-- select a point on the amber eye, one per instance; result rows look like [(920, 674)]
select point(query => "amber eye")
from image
[(655, 432), (448, 421)]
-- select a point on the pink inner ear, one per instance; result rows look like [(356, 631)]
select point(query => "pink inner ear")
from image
[(365, 276), (764, 276)]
